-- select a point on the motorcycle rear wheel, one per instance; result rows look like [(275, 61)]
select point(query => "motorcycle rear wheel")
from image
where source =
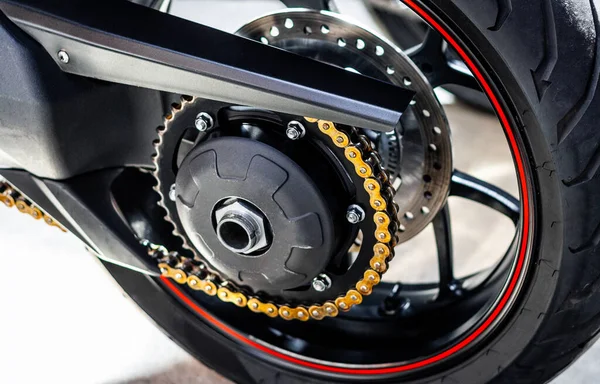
[(541, 75)]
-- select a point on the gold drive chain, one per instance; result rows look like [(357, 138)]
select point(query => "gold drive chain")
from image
[(367, 165), (11, 197), (182, 270)]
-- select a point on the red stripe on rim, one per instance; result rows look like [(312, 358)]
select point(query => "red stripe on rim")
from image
[(501, 304)]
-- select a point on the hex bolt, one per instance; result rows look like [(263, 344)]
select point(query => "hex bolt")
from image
[(172, 193), (63, 56), (321, 282), (204, 122), (355, 214), (295, 130)]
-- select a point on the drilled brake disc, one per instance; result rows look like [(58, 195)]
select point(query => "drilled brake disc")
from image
[(425, 165)]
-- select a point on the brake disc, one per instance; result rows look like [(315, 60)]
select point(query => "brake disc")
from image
[(423, 165)]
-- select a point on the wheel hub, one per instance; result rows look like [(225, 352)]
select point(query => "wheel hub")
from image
[(254, 214)]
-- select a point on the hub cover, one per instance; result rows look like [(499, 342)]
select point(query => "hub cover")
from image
[(257, 194)]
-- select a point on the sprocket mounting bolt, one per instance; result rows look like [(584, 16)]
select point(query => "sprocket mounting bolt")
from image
[(204, 122), (321, 282), (355, 214), (172, 193), (295, 130)]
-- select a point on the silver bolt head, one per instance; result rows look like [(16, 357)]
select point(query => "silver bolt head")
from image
[(204, 122), (63, 56), (172, 193), (321, 282), (355, 214), (319, 285), (295, 130)]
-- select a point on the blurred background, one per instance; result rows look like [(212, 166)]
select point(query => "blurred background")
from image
[(73, 324)]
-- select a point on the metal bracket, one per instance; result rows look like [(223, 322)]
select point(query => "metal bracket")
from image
[(125, 43)]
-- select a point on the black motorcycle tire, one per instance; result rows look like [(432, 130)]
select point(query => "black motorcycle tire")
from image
[(544, 68)]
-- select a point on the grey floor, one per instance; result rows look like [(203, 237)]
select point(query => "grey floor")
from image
[(71, 323)]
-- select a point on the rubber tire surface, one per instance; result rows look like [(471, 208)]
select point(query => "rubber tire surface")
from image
[(542, 58)]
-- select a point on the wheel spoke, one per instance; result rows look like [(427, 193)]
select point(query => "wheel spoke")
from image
[(394, 302), (469, 187), (430, 57), (445, 251)]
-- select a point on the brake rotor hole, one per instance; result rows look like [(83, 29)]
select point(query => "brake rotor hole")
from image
[(307, 30), (324, 29), (360, 43), (289, 23), (390, 70), (341, 42), (406, 80), (379, 51), (274, 31), (264, 40)]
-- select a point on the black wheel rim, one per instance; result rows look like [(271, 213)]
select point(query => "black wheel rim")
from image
[(349, 353)]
